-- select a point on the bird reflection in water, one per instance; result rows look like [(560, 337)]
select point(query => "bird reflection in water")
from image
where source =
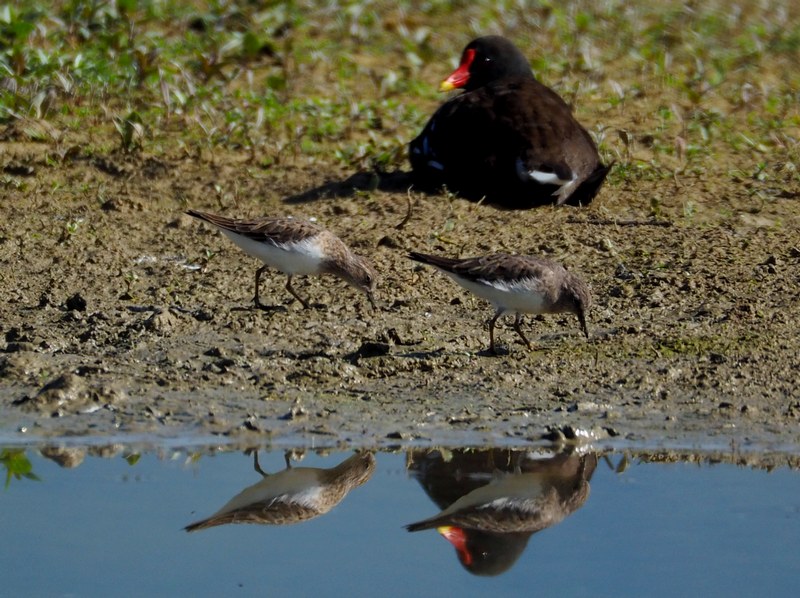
[(494, 500), (292, 495)]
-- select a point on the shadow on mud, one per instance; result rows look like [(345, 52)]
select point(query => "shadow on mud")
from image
[(390, 182)]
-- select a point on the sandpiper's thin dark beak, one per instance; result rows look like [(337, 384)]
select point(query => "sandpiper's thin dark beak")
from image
[(371, 299)]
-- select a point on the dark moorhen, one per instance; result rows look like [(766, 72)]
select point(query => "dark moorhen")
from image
[(507, 137)]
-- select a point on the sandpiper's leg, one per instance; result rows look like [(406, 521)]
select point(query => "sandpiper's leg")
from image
[(294, 293), (257, 465), (582, 320), (258, 303), (491, 331), (287, 458), (517, 322)]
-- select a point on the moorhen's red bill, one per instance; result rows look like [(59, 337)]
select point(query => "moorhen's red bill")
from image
[(507, 137)]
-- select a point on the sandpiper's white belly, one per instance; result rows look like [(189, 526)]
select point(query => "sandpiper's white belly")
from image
[(300, 485), (517, 296), (301, 257)]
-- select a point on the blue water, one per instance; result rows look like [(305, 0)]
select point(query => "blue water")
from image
[(110, 528)]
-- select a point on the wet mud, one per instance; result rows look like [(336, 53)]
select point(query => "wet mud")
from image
[(120, 315)]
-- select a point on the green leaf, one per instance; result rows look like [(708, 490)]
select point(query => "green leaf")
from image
[(17, 465)]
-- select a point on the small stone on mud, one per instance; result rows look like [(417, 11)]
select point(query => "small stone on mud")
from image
[(110, 205), (221, 366), (372, 349), (19, 347), (109, 167), (621, 290), (251, 423), (75, 303), (771, 261), (393, 336), (18, 169), (554, 434), (623, 273), (389, 242), (295, 412), (656, 299), (161, 322), (202, 315), (15, 334), (571, 433), (63, 389), (108, 394), (717, 358)]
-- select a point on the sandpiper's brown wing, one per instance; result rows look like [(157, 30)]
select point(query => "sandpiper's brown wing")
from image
[(497, 266), (440, 261), (274, 230), (271, 512)]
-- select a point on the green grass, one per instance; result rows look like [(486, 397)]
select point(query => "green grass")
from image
[(350, 86)]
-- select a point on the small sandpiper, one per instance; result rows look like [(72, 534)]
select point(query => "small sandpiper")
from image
[(292, 495), (295, 247), (517, 284)]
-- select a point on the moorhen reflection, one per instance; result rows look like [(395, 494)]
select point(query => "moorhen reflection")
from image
[(494, 500), (292, 495)]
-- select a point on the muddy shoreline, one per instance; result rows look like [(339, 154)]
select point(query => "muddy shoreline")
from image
[(122, 316)]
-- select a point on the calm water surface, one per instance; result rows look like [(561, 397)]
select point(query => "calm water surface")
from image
[(574, 524)]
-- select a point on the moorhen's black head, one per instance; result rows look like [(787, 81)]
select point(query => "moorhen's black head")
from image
[(487, 59)]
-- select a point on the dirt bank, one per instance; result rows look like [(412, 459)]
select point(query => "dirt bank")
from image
[(121, 315)]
